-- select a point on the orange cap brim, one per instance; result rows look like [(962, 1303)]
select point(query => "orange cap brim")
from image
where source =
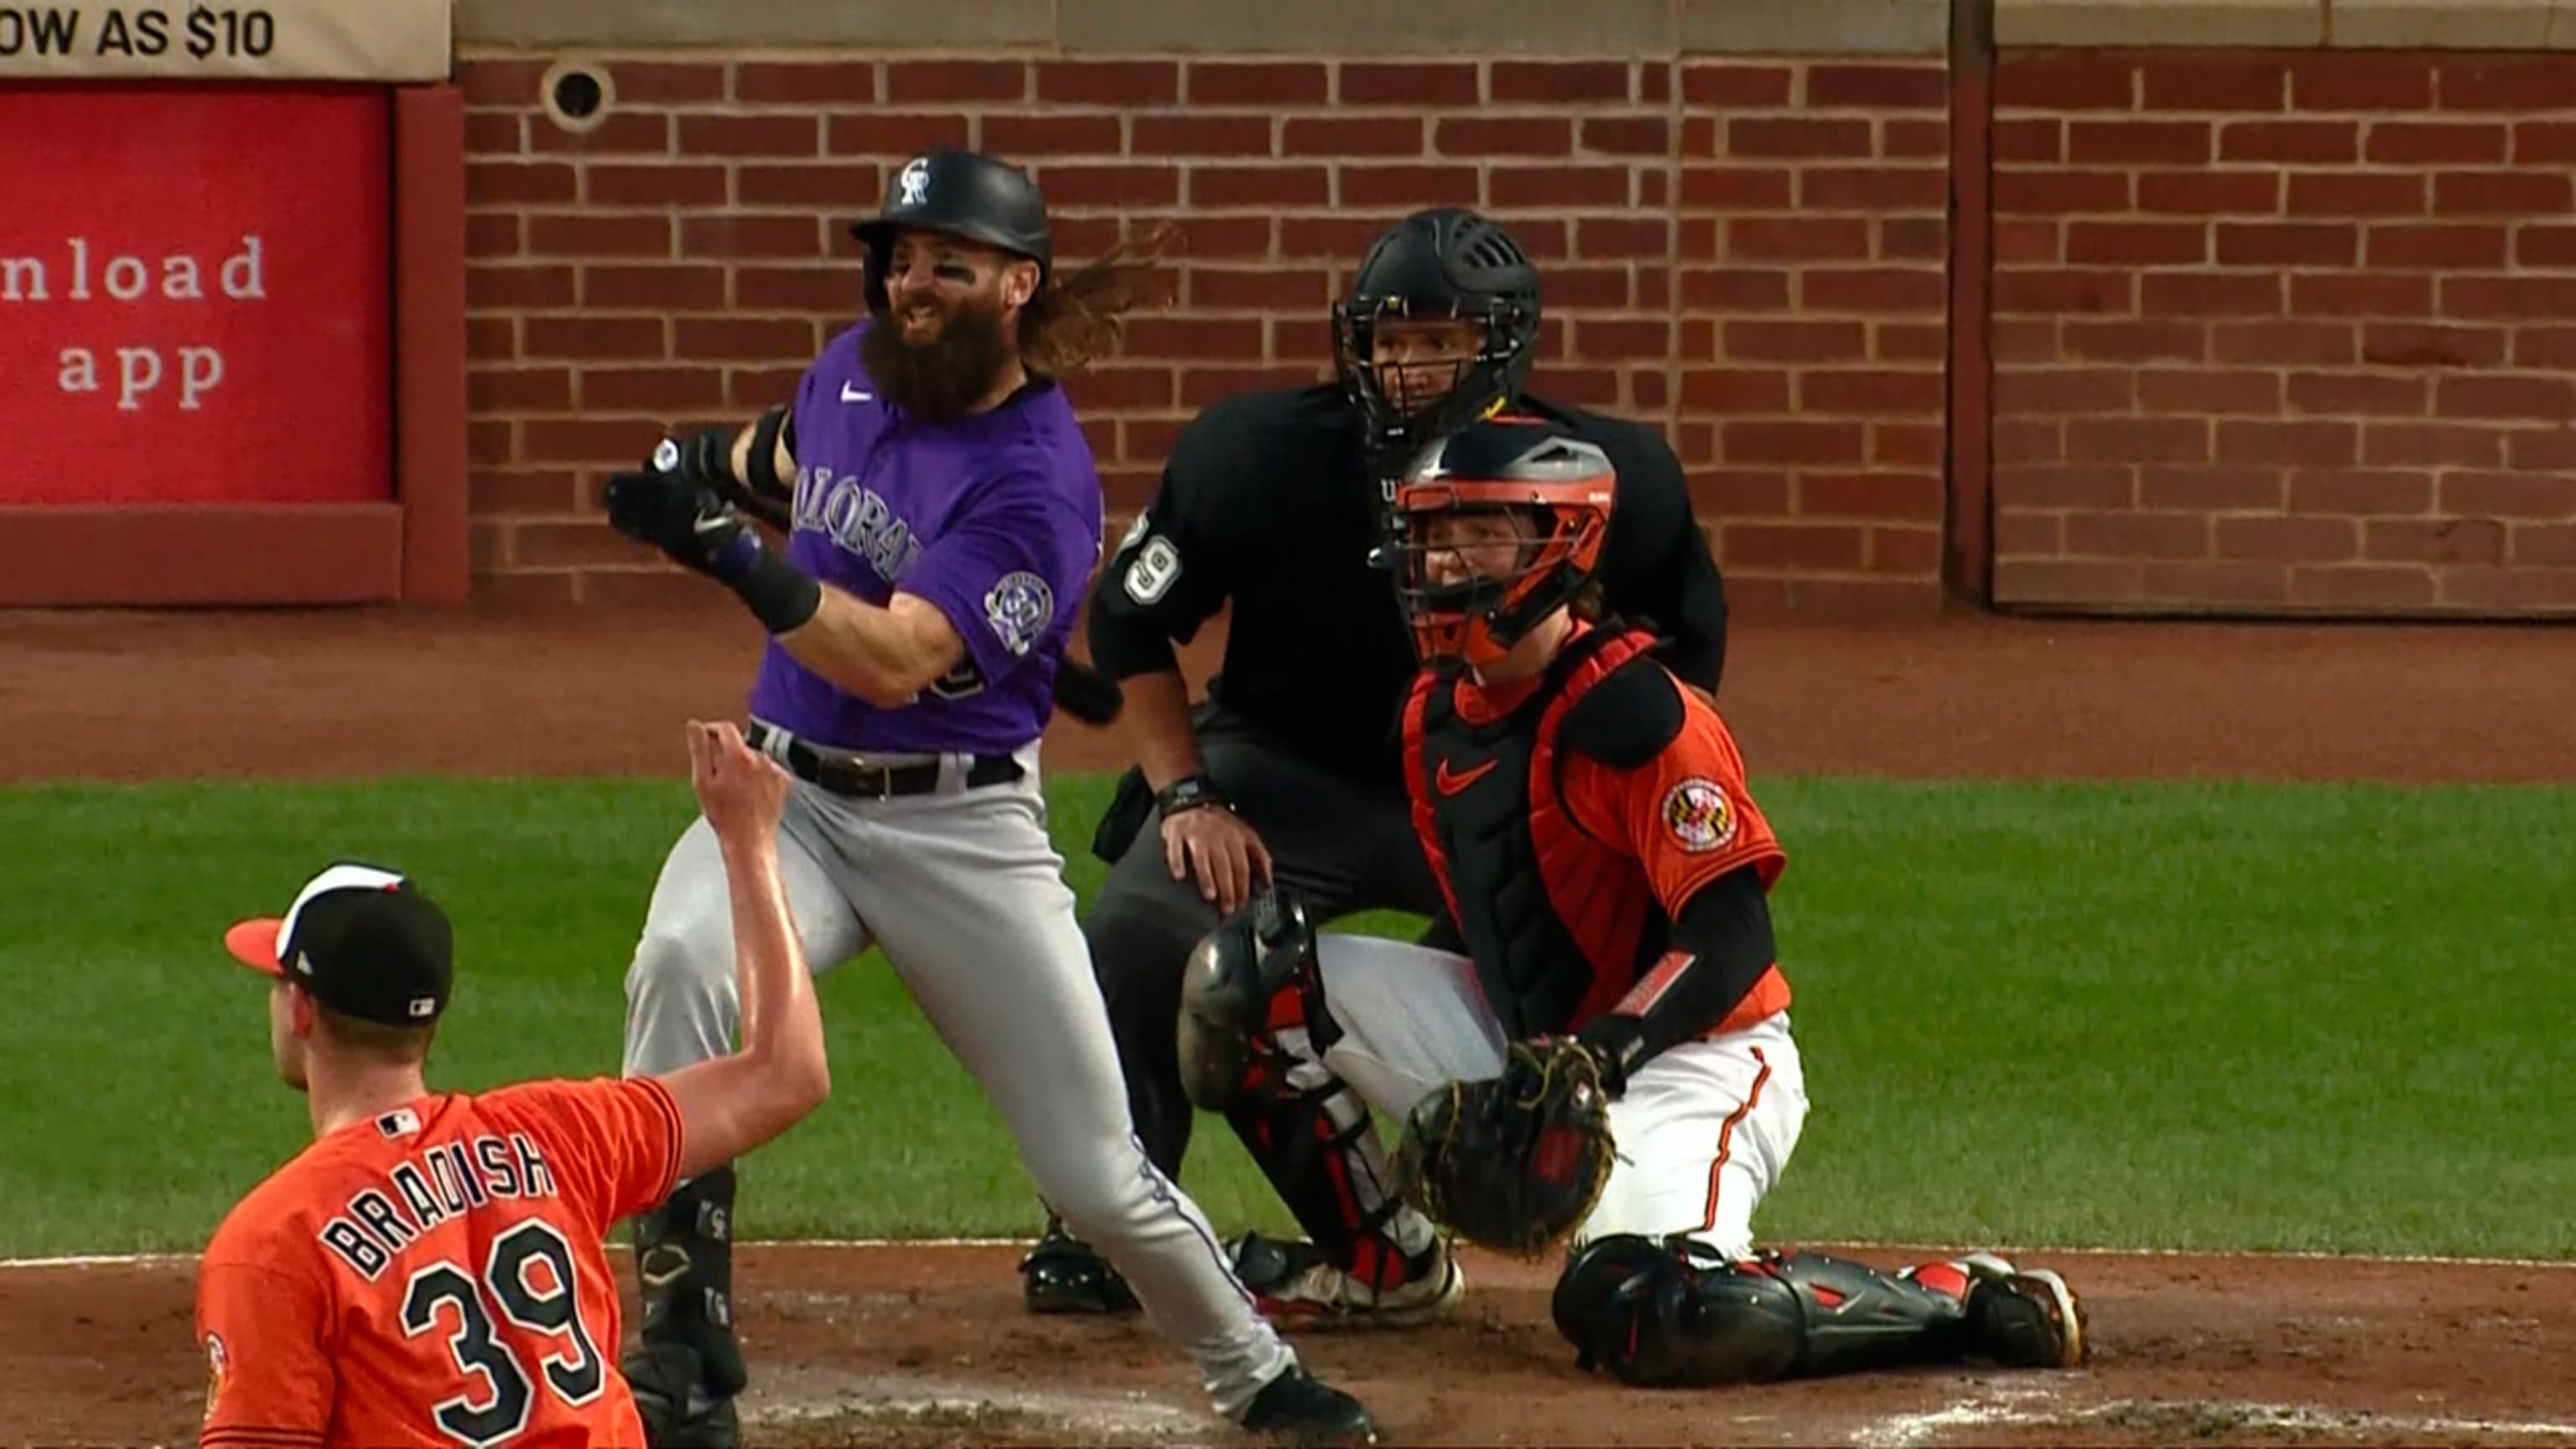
[(254, 944)]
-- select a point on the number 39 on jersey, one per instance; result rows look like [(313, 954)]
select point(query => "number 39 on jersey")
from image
[(529, 1280)]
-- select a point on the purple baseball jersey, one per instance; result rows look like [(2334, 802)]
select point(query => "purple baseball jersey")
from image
[(993, 519)]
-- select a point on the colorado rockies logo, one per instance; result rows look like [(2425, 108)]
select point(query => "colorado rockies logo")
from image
[(1018, 608), (914, 182)]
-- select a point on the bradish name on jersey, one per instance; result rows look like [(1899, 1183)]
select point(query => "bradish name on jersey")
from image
[(436, 1185)]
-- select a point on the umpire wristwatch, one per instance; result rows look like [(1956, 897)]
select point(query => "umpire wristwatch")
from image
[(1190, 792)]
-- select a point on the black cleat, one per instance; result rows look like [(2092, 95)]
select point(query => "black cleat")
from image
[(677, 1410), (1063, 1275), (1299, 1408)]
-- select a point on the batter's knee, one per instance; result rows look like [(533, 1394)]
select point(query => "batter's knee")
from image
[(1651, 1316), (1229, 989), (671, 962), (680, 1004)]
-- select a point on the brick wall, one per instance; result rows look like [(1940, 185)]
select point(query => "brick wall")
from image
[(2271, 306), (1749, 254), (2285, 331), (1815, 243)]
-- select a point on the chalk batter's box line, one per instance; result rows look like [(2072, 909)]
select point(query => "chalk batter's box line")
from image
[(149, 1260)]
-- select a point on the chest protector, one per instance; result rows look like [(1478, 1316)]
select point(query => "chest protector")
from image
[(1560, 924)]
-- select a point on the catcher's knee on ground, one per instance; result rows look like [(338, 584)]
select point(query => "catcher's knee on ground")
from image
[(1654, 1314)]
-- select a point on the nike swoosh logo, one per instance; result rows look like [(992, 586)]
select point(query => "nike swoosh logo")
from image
[(1451, 784), (852, 394)]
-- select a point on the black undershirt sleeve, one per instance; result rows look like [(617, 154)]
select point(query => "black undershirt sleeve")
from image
[(1724, 930)]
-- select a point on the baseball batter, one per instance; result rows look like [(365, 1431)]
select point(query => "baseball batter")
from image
[(429, 1271), (945, 519), (1588, 821)]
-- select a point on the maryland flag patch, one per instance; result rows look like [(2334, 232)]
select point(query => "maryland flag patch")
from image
[(216, 1363), (1698, 815)]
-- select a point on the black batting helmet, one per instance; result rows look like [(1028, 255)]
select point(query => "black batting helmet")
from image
[(1443, 262), (963, 193)]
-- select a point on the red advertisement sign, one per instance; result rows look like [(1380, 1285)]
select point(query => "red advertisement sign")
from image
[(195, 294)]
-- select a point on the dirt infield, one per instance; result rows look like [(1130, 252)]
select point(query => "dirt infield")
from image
[(918, 1346)]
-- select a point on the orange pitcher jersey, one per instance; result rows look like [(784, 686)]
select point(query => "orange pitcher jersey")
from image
[(436, 1277)]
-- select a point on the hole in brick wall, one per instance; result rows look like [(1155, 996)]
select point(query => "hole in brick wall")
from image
[(578, 94)]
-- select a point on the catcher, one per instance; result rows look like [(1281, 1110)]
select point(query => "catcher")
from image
[(1611, 1067)]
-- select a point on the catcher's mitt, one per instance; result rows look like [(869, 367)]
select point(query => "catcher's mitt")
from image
[(1517, 1162)]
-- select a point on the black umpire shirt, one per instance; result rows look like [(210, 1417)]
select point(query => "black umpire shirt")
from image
[(1267, 500)]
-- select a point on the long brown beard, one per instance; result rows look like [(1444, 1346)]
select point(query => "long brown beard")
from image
[(944, 378)]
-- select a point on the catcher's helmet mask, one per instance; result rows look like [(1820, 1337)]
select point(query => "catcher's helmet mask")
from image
[(1439, 264), (964, 194), (1562, 484)]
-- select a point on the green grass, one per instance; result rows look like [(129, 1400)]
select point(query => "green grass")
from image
[(2202, 1016)]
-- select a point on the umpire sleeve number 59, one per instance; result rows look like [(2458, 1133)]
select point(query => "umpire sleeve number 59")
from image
[(1153, 570)]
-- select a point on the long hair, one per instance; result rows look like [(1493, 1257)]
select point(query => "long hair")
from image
[(1078, 316)]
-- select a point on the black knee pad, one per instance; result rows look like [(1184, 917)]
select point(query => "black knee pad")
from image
[(1226, 991), (1654, 1316)]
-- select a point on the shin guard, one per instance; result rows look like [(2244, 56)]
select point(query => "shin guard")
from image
[(1312, 1137), (1669, 1313), (1253, 1031)]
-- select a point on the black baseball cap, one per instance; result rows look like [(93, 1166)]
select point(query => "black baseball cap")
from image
[(363, 940)]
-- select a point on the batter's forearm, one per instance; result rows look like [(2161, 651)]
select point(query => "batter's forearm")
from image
[(883, 655), (1157, 724), (782, 461)]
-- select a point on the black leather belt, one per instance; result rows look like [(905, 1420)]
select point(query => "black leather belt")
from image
[(844, 776)]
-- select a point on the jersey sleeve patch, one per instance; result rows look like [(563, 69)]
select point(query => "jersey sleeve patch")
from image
[(1699, 815), (217, 1362), (1018, 609), (1626, 719)]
